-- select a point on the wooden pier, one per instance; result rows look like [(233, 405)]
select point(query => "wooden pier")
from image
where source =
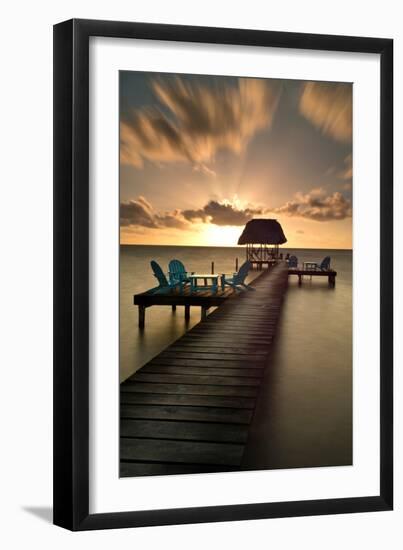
[(205, 299), (301, 273), (263, 264), (189, 409)]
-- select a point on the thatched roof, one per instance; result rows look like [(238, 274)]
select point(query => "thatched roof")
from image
[(262, 232)]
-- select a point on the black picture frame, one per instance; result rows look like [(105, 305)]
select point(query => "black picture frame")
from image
[(71, 274)]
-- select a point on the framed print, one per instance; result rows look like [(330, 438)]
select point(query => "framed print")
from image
[(223, 266)]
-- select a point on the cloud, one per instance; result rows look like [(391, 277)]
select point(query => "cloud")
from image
[(318, 206), (193, 122), (347, 172), (315, 205), (205, 170), (329, 107), (223, 213), (141, 213)]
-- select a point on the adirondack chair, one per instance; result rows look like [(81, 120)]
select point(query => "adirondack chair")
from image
[(238, 280), (325, 265), (164, 284), (293, 262), (177, 272)]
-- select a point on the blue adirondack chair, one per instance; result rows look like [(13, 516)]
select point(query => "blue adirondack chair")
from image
[(177, 272), (164, 284), (293, 262), (324, 265), (238, 279)]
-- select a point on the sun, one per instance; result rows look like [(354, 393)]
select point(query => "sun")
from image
[(221, 235)]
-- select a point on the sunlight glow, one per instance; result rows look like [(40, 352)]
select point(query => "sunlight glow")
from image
[(217, 235)]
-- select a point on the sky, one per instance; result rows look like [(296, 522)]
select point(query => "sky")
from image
[(202, 155)]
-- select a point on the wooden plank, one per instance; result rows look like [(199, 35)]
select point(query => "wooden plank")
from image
[(191, 389), (248, 370), (196, 299), (210, 342), (163, 450), (236, 322), (250, 331), (200, 340), (220, 349), (255, 324), (202, 362), (208, 353), (191, 400), (192, 431), (169, 299), (230, 340), (217, 348), (238, 319), (204, 351), (197, 414), (196, 379), (262, 336), (224, 324), (248, 327)]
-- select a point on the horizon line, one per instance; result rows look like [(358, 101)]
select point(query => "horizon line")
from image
[(234, 246)]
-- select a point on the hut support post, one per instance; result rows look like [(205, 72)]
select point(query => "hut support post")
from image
[(204, 313), (187, 313), (142, 316), (173, 307)]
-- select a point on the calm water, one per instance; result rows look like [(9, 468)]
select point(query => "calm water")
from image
[(303, 417)]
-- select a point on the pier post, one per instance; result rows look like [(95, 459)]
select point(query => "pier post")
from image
[(142, 316), (173, 307), (204, 313), (187, 313), (212, 268), (236, 265), (332, 280), (299, 279)]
